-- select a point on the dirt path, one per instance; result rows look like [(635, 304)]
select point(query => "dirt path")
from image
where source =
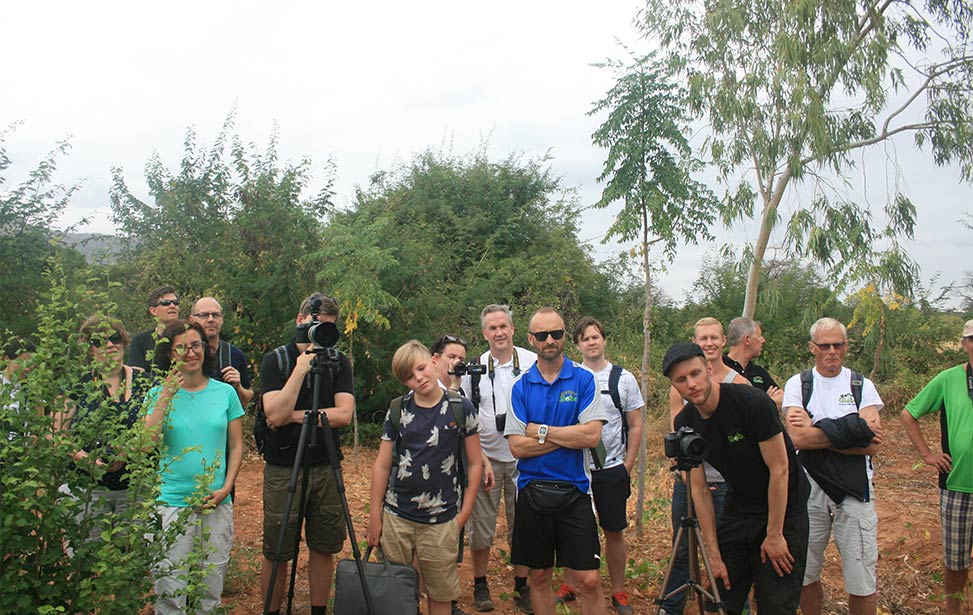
[(909, 569)]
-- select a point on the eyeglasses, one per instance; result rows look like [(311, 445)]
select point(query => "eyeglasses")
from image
[(452, 339), (208, 315), (183, 349), (541, 336), (827, 347), (168, 302), (114, 338)]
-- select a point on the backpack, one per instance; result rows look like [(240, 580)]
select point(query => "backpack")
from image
[(260, 427), (456, 405), (807, 387), (223, 355), (613, 379)]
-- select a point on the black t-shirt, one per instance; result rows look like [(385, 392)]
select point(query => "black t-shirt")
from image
[(280, 445), (744, 418), (757, 375)]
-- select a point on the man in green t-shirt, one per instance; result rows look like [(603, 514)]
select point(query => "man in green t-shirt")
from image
[(951, 390)]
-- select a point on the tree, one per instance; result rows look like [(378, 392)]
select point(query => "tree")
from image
[(790, 89), (649, 168)]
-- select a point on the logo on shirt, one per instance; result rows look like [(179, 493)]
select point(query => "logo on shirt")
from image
[(735, 437), (846, 398), (758, 379), (568, 397)]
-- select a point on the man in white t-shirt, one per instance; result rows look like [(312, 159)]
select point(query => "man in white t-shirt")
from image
[(833, 419), (621, 435), (505, 362)]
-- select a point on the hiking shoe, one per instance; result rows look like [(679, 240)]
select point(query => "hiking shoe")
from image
[(620, 602), (481, 597), (522, 600), (455, 609), (564, 594)]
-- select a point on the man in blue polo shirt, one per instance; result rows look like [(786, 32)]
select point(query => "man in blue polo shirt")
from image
[(556, 415)]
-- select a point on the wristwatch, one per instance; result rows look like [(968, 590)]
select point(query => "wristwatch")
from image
[(541, 434)]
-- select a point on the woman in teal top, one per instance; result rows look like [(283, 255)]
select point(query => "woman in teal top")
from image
[(197, 420)]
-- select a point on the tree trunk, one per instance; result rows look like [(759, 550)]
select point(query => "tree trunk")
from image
[(354, 415), (769, 218), (881, 346), (647, 342)]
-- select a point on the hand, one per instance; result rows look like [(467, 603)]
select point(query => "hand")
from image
[(774, 548), (303, 366), (797, 417), (940, 461), (216, 498), (718, 569), (231, 376), (116, 465), (628, 467), (373, 535), (461, 520), (489, 478), (172, 383), (776, 394)]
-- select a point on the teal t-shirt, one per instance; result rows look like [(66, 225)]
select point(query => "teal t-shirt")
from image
[(194, 438), (948, 390)]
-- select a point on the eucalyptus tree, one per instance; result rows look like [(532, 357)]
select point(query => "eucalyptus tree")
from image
[(791, 89)]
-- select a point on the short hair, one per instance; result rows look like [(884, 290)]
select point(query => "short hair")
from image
[(828, 324), (329, 305), (99, 325), (162, 359), (440, 345), (583, 324), (739, 328), (544, 310), (706, 321), (158, 293), (496, 307), (18, 346), (405, 358)]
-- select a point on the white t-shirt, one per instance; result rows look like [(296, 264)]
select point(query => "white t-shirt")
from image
[(494, 444), (831, 398), (631, 397)]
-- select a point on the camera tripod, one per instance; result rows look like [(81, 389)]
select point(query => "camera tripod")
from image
[(325, 362), (689, 527)]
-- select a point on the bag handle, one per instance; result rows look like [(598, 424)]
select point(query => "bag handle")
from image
[(379, 557)]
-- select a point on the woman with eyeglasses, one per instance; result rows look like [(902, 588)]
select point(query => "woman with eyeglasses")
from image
[(196, 419), (107, 401)]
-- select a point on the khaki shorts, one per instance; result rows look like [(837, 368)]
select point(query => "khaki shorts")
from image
[(483, 521), (324, 525), (434, 546), (855, 527)]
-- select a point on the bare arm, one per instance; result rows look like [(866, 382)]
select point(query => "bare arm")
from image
[(804, 435), (634, 419), (279, 406), (234, 433), (676, 404), (941, 461), (774, 547), (705, 515), (473, 475), (380, 482), (522, 447)]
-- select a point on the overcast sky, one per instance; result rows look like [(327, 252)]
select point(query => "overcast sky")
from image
[(368, 84)]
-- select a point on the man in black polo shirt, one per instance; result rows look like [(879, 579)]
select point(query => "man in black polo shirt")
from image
[(745, 342), (762, 535)]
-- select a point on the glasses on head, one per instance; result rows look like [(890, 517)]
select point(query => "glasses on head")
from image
[(114, 339), (834, 345), (208, 315), (541, 336), (452, 339), (168, 302), (183, 349)]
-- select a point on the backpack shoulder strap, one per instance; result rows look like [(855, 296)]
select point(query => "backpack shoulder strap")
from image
[(283, 362), (224, 352), (395, 418), (807, 387), (857, 383), (614, 377), (456, 405)]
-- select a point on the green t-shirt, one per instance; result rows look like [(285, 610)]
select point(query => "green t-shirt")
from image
[(194, 434), (948, 390)]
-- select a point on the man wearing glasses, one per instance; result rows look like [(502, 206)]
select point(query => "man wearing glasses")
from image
[(164, 308), (832, 417), (231, 364), (505, 363), (951, 392)]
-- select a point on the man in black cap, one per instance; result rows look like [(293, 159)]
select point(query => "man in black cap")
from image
[(762, 536)]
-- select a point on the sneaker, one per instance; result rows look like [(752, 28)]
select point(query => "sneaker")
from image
[(564, 594), (620, 602), (455, 609), (522, 600), (481, 597)]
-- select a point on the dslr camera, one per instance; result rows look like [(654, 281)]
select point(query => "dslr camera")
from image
[(473, 368), (686, 446)]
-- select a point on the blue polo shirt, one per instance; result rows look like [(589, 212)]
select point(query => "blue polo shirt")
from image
[(571, 399)]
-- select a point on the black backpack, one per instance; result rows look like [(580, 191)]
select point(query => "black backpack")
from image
[(260, 427)]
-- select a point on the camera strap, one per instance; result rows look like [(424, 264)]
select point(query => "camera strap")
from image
[(491, 372), (969, 380)]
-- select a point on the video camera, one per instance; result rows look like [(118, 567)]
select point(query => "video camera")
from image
[(686, 446), (473, 368)]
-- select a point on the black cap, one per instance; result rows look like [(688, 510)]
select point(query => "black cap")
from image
[(678, 353)]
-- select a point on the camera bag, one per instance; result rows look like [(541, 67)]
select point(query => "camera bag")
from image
[(394, 588)]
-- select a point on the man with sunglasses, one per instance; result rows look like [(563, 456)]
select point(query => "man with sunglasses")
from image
[(556, 415), (505, 362), (231, 364), (164, 308), (951, 392), (833, 419)]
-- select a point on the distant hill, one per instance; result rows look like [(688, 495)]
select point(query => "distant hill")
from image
[(96, 247)]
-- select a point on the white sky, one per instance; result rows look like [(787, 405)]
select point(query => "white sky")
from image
[(369, 84)]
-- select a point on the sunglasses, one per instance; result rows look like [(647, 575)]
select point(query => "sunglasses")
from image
[(168, 302), (541, 336), (827, 347), (115, 338), (452, 339)]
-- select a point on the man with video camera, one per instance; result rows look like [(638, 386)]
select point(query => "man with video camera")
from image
[(287, 394), (765, 517)]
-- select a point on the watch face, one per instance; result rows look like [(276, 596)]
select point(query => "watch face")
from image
[(542, 430)]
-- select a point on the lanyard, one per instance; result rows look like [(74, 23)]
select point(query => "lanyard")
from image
[(491, 371), (969, 380)]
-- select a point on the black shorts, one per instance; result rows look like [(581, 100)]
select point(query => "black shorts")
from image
[(570, 535), (611, 488)]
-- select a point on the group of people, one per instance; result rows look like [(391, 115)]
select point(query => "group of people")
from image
[(553, 440)]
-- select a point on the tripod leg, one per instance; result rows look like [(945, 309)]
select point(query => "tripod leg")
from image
[(663, 596), (301, 512), (715, 597)]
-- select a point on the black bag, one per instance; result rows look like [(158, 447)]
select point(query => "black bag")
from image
[(550, 497), (394, 587)]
